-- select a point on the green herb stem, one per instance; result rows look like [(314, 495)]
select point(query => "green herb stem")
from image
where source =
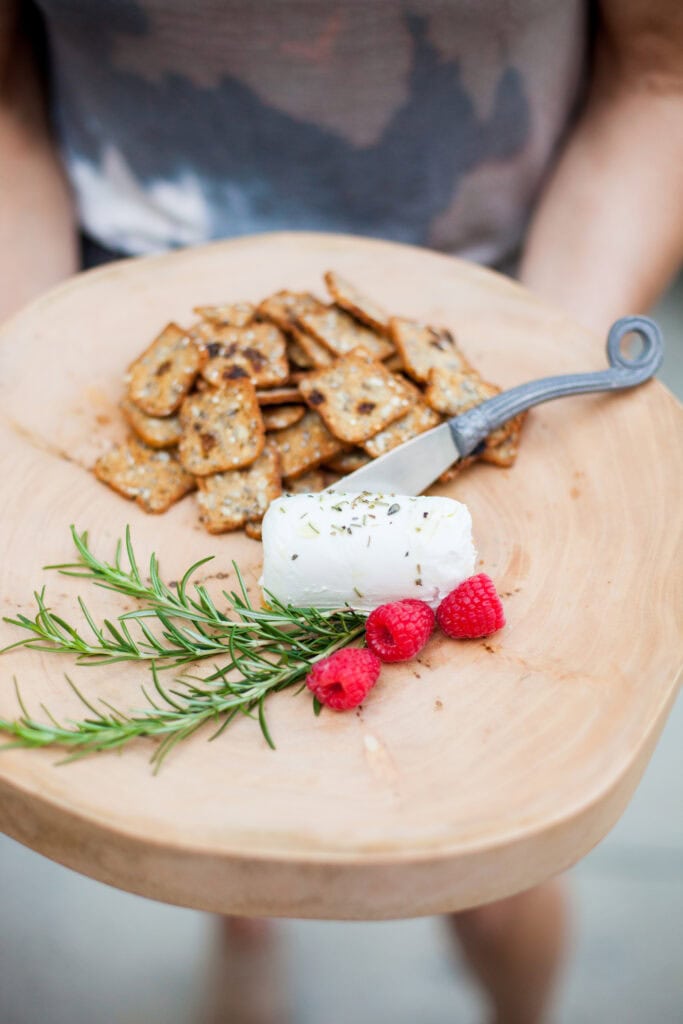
[(256, 652)]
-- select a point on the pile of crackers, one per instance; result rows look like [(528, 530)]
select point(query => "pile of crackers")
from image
[(287, 395)]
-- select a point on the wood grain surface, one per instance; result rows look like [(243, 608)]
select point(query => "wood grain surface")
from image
[(471, 774)]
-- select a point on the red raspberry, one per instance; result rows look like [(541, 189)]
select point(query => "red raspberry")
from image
[(343, 680), (471, 610), (399, 631)]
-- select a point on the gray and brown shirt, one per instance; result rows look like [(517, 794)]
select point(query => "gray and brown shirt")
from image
[(425, 121)]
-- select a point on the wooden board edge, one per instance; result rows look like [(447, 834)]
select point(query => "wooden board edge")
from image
[(329, 888)]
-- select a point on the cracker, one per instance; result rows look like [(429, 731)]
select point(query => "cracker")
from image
[(357, 397), (228, 500), (421, 347), (394, 363), (457, 468), (155, 479), (283, 308), (348, 462), (161, 377), (258, 351), (253, 529), (504, 452), (340, 333), (296, 376), (279, 396), (277, 417), (454, 393), (231, 314), (222, 429), (317, 355), (156, 431), (297, 356), (419, 419), (309, 483), (306, 445), (347, 296)]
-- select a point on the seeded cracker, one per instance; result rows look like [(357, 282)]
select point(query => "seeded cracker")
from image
[(457, 468), (161, 377), (279, 396), (283, 308), (277, 417), (317, 355), (156, 431), (297, 356), (505, 452), (347, 296), (340, 333), (419, 419), (305, 446), (253, 529), (357, 397), (421, 347), (154, 479), (258, 351), (222, 429), (394, 363), (233, 314), (455, 393), (228, 500), (348, 462), (310, 483)]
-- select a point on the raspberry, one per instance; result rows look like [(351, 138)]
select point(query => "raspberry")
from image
[(343, 680), (471, 610), (399, 631)]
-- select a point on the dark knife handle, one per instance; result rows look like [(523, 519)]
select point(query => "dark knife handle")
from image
[(472, 427)]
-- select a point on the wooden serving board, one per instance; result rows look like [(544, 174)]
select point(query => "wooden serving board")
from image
[(481, 770)]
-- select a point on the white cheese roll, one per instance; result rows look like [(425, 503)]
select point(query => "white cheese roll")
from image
[(330, 550)]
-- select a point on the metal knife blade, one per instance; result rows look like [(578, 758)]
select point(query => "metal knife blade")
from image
[(408, 469)]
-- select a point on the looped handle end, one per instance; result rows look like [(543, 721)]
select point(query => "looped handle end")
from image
[(471, 427), (647, 362)]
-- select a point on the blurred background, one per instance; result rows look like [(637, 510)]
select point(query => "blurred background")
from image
[(73, 951)]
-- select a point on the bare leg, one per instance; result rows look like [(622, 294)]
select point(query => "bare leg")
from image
[(515, 948), (246, 984)]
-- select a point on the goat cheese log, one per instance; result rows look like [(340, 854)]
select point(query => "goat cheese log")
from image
[(331, 550)]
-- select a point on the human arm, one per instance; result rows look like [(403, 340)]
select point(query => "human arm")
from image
[(37, 218), (607, 234)]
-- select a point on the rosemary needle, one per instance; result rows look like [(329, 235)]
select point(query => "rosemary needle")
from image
[(255, 652)]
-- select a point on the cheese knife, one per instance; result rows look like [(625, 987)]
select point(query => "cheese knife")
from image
[(411, 467)]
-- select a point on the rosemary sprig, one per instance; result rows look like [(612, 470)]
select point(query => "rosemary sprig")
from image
[(256, 652), (192, 628)]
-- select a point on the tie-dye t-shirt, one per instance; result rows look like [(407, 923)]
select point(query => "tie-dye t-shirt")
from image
[(425, 121)]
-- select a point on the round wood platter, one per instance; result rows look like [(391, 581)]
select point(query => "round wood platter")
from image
[(481, 769)]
